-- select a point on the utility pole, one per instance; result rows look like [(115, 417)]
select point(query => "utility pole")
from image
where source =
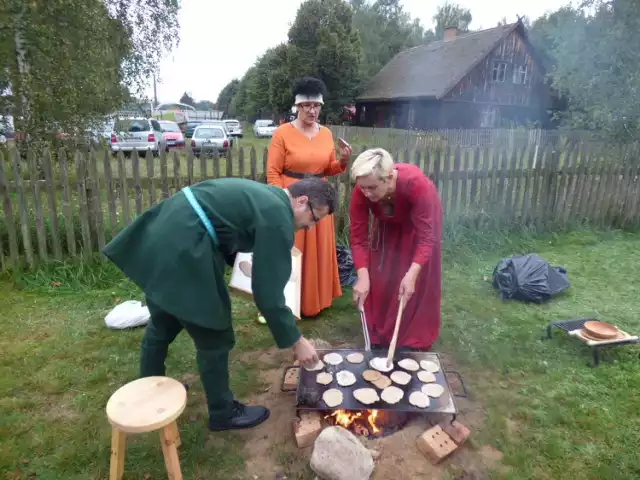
[(155, 92)]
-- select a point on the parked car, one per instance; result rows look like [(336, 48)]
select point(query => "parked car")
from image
[(234, 127), (172, 134), (227, 130), (190, 127), (264, 128), (140, 134), (208, 138)]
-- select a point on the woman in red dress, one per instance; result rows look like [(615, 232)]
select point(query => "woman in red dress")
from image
[(400, 256)]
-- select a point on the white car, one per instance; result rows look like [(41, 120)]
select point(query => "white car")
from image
[(264, 128), (234, 127), (140, 134)]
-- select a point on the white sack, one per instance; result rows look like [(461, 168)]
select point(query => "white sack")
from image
[(128, 314)]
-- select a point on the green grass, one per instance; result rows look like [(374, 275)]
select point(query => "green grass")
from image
[(551, 415)]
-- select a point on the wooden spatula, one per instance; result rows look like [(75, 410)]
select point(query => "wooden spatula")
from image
[(394, 340)]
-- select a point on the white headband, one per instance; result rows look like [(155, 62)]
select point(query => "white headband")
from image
[(308, 98)]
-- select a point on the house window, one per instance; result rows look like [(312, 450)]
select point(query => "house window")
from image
[(488, 117), (499, 72), (520, 75), (363, 114), (411, 117)]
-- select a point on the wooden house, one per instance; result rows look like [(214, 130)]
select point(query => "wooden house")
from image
[(486, 79)]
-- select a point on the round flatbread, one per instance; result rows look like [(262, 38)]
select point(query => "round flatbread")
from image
[(332, 397), (355, 357), (426, 377), (409, 364), (400, 377), (419, 399), (429, 366), (366, 396), (324, 378), (316, 367), (433, 390), (392, 395), (382, 382), (345, 378), (380, 364), (333, 358), (371, 375)]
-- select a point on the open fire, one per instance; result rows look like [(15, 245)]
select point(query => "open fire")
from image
[(368, 423)]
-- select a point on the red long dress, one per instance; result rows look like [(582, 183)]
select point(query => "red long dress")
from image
[(412, 233)]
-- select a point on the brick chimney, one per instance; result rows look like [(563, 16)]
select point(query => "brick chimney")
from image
[(450, 33)]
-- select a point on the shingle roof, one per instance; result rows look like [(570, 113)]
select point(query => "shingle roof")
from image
[(430, 71)]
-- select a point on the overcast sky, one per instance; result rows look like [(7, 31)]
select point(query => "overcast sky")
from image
[(220, 40)]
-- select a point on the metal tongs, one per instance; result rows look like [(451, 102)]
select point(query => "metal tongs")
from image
[(365, 331)]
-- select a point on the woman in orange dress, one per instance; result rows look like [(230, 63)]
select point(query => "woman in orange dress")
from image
[(300, 149)]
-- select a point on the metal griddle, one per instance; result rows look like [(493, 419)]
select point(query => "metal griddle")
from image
[(309, 392)]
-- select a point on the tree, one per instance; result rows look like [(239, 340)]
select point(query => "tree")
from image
[(69, 61), (596, 65), (385, 30), (451, 15), (226, 95), (187, 99), (329, 48)]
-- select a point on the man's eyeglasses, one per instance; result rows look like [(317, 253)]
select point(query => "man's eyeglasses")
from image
[(309, 106), (313, 214)]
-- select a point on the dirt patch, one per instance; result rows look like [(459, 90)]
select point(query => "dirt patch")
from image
[(271, 451)]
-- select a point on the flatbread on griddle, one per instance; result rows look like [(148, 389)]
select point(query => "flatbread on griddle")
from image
[(316, 367), (433, 390), (366, 396), (380, 364), (382, 382), (419, 399), (333, 358), (409, 364), (355, 357), (429, 366), (332, 397), (426, 377), (371, 375), (400, 377), (392, 395), (345, 378), (324, 378)]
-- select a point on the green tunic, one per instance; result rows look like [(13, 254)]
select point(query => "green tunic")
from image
[(169, 254)]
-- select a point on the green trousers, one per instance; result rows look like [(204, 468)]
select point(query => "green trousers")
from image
[(212, 355)]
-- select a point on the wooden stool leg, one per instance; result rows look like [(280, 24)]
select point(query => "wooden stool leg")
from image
[(175, 432), (118, 440), (170, 451)]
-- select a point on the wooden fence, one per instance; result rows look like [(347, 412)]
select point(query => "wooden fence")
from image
[(71, 203)]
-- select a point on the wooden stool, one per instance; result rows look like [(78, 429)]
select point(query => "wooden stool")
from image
[(146, 405)]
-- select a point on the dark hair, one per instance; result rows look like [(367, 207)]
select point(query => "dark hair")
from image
[(309, 86), (320, 192)]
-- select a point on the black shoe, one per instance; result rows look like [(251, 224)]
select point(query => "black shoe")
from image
[(242, 416), (186, 386)]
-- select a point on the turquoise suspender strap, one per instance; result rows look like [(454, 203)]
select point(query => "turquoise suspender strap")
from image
[(198, 209)]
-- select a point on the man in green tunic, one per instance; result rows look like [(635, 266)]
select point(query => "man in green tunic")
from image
[(176, 253)]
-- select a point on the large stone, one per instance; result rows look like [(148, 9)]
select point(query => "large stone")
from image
[(339, 455)]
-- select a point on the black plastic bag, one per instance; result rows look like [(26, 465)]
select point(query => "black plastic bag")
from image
[(529, 278), (346, 272)]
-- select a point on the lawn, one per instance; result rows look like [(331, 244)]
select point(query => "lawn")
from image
[(535, 401)]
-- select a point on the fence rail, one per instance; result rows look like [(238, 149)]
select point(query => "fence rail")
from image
[(71, 203)]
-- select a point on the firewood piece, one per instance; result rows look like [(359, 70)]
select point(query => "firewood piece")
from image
[(436, 445), (306, 428)]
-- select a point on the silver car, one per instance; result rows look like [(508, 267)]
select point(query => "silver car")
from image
[(208, 138), (264, 128), (234, 127), (140, 134)]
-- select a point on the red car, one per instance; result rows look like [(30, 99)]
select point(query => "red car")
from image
[(172, 134)]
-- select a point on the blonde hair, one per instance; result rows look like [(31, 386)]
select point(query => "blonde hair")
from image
[(374, 160)]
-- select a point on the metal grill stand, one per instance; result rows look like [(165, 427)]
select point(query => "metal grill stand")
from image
[(577, 324)]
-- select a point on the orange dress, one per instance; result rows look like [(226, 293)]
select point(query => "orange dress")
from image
[(291, 153)]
